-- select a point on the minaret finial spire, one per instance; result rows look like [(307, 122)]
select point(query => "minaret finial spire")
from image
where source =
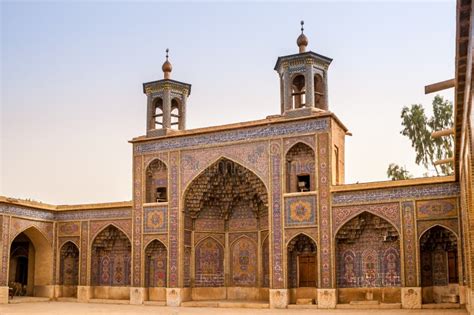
[(167, 68), (302, 40)]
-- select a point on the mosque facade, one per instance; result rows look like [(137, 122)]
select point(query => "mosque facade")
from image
[(254, 211)]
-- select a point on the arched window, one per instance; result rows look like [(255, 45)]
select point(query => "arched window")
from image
[(298, 91), (300, 168), (156, 182), (158, 113), (319, 99)]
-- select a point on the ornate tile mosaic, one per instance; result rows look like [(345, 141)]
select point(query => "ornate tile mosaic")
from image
[(409, 243), (69, 228), (388, 211), (325, 236), (278, 280), (5, 247), (234, 135), (124, 225), (155, 219), (300, 211), (399, 193), (438, 208), (253, 156), (244, 263), (451, 224), (174, 221)]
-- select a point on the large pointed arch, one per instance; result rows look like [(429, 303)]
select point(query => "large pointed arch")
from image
[(38, 268)]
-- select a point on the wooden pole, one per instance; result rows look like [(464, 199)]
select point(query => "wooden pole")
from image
[(439, 86)]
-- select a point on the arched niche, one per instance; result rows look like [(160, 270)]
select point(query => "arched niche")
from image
[(156, 257), (156, 182), (368, 253), (69, 269), (209, 263), (111, 258), (439, 265), (300, 168), (302, 262), (244, 262)]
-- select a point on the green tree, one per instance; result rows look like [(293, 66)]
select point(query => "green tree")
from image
[(396, 172), (417, 126)]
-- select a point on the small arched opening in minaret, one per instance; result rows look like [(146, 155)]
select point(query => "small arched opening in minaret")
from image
[(300, 168), (319, 88), (439, 266), (157, 113), (298, 91), (175, 113), (156, 182)]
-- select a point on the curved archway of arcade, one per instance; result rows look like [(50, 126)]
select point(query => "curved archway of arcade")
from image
[(439, 266), (68, 269), (302, 268), (156, 257), (226, 223), (111, 265), (31, 265), (368, 261)]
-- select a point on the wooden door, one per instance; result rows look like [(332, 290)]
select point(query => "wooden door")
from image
[(307, 271)]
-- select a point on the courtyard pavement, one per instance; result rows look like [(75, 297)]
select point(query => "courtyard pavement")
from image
[(72, 308)]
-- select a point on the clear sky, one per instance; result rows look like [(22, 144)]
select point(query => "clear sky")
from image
[(71, 76)]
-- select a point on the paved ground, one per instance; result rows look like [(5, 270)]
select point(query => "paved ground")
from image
[(71, 308)]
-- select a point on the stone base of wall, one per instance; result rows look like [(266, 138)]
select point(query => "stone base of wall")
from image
[(155, 294), (382, 295), (327, 298), (3, 295), (137, 295), (65, 291), (279, 298), (229, 293), (111, 293), (83, 293), (175, 296), (411, 297), (435, 294), (303, 293), (44, 291)]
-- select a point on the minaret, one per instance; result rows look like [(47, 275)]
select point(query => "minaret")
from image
[(303, 80), (166, 103)]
